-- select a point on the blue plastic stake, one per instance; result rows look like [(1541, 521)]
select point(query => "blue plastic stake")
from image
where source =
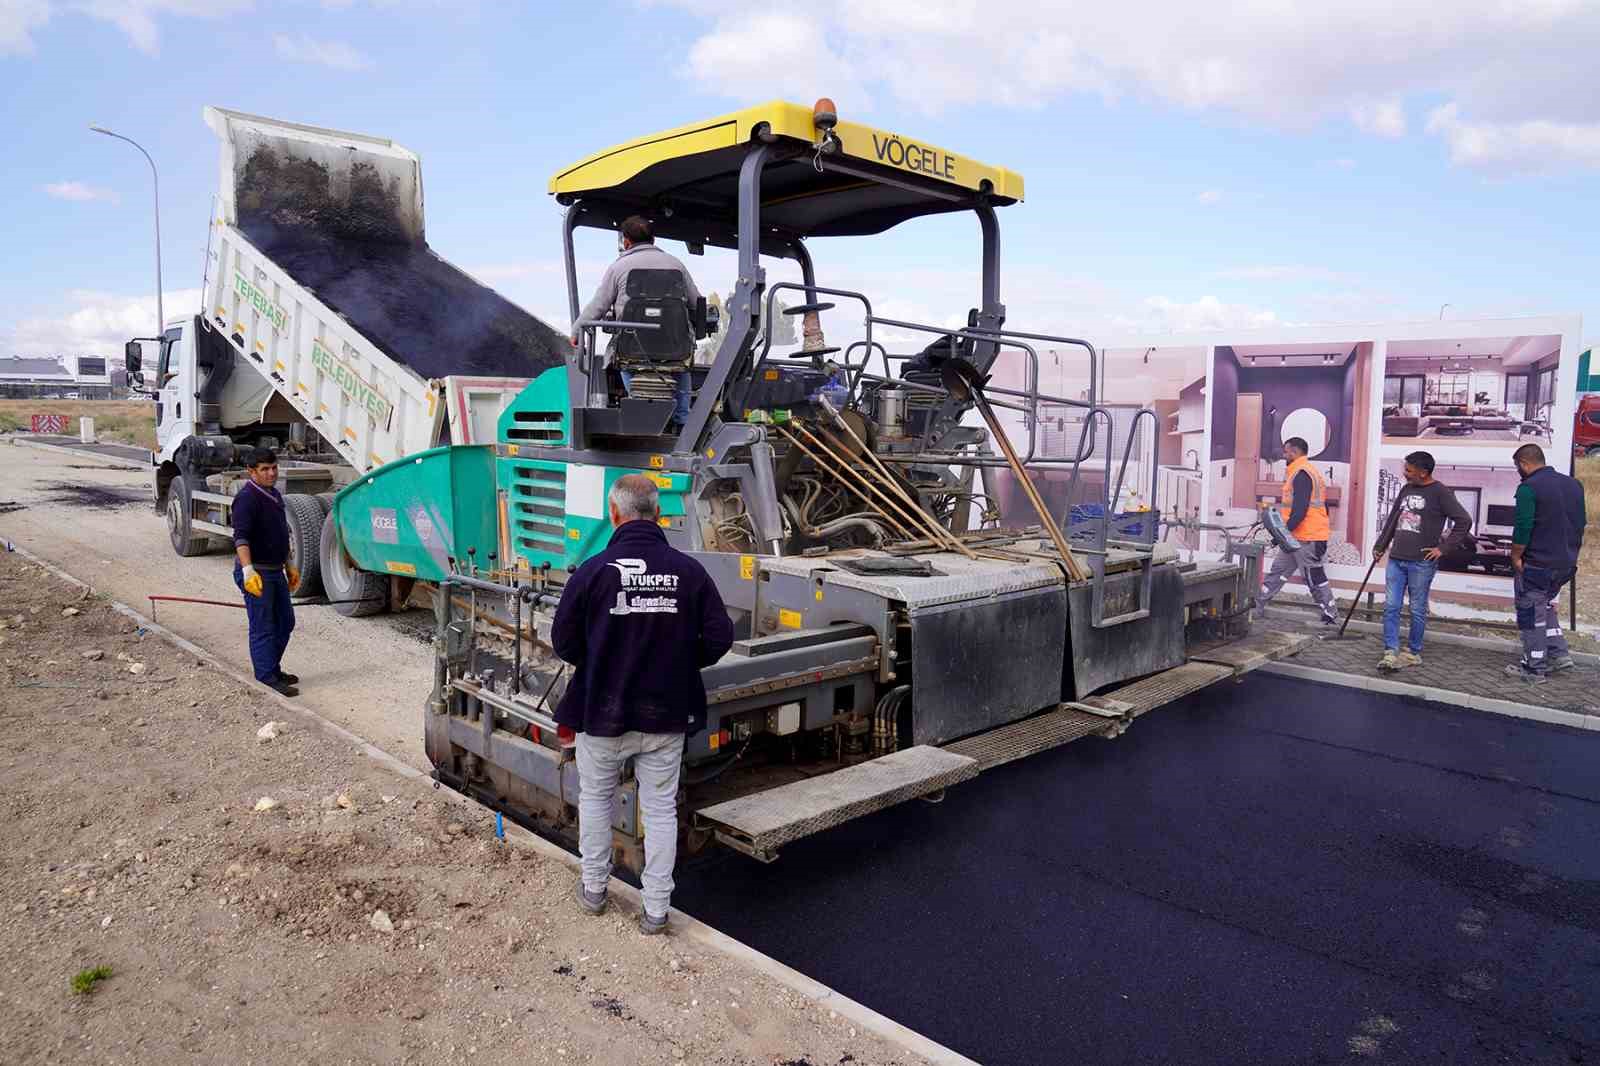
[(499, 825)]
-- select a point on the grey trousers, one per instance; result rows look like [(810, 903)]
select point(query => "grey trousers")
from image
[(1538, 591), (657, 761), (1308, 561)]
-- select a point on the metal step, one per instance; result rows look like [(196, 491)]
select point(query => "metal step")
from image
[(761, 823), (1251, 652), (1029, 736)]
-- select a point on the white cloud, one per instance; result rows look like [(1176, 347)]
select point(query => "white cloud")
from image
[(1364, 62), (1345, 164), (137, 19), (1210, 196), (96, 323), (79, 192), (1161, 314), (333, 54), (18, 20), (1530, 146), (1383, 118)]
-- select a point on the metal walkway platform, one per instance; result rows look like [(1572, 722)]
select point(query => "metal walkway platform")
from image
[(761, 823)]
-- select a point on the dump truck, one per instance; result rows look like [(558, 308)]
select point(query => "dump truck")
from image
[(329, 329)]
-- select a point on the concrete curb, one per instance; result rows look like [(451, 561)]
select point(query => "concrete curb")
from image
[(1461, 640), (1548, 715), (683, 926), (78, 453)]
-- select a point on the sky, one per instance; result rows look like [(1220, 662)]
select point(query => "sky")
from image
[(1356, 162)]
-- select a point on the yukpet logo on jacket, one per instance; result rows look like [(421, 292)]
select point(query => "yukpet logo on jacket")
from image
[(635, 576)]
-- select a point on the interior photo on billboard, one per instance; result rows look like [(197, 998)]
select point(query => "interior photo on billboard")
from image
[(1478, 562), (1267, 395), (1485, 391)]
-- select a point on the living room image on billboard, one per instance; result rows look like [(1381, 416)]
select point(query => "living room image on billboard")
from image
[(1485, 391)]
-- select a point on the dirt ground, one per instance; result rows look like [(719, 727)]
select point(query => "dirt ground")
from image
[(363, 918), (99, 525), (124, 421)]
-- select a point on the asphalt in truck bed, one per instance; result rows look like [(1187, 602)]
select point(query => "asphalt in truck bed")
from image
[(1273, 872)]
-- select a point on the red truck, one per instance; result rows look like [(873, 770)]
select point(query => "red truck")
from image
[(1586, 426)]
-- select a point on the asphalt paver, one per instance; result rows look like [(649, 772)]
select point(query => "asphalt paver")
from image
[(1277, 871)]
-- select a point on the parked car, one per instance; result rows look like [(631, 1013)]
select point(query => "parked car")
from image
[(1586, 426)]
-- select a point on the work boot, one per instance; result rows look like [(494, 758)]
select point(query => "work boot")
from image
[(282, 687), (1410, 658), (1390, 660), (1523, 674), (593, 902), (1555, 666), (288, 678), (650, 925)]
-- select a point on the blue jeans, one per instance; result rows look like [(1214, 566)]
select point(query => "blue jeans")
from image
[(1407, 577), (680, 396), (271, 618)]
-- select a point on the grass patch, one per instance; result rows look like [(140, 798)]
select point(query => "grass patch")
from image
[(124, 421), (83, 981)]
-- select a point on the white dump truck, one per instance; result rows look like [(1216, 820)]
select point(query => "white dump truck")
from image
[(328, 329)]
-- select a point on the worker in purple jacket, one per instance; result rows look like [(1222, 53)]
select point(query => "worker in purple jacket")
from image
[(637, 622), (263, 571)]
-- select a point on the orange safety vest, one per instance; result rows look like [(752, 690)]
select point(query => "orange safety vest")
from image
[(1315, 525)]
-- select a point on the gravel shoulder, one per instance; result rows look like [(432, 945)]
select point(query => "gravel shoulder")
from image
[(359, 917)]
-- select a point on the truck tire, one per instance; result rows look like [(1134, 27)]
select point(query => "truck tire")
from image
[(180, 520), (354, 593), (305, 535), (325, 501)]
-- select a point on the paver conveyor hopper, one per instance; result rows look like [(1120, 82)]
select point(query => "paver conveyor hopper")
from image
[(892, 639)]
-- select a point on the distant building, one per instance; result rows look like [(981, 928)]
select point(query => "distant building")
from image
[(85, 377)]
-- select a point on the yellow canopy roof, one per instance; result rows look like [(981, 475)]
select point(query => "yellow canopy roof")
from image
[(694, 168)]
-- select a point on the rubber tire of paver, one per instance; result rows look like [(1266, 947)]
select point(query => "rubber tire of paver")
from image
[(180, 520), (343, 582), (305, 536)]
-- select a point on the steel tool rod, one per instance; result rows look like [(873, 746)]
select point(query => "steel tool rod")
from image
[(831, 467), (1075, 569), (925, 522)]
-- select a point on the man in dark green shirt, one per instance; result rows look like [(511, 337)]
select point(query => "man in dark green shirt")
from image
[(1545, 543), (1413, 537)]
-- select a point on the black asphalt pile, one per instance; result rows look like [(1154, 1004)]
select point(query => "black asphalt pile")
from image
[(1271, 872), (353, 252)]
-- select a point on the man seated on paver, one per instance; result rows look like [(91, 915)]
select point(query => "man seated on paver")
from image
[(1413, 538), (637, 622), (1545, 543)]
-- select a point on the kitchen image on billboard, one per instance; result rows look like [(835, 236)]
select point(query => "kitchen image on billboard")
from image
[(1263, 395)]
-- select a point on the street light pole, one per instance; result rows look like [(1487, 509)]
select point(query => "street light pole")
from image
[(161, 317)]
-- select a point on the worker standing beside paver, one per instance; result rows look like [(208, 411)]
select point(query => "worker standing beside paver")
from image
[(1545, 543), (1414, 538), (262, 570), (637, 622), (1305, 513)]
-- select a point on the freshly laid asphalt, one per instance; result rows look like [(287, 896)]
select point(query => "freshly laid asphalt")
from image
[(1273, 872)]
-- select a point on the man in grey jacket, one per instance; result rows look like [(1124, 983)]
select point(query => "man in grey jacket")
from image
[(637, 251)]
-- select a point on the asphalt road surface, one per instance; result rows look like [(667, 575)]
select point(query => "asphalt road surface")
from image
[(1274, 872)]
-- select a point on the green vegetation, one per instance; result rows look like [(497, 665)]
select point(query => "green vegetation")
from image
[(123, 421), (83, 981)]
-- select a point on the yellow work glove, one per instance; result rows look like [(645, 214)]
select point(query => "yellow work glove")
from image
[(294, 576), (252, 581)]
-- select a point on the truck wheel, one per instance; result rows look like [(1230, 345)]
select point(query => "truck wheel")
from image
[(354, 593), (180, 520), (305, 532), (325, 501)]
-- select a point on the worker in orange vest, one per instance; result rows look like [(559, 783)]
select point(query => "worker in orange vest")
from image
[(1305, 512)]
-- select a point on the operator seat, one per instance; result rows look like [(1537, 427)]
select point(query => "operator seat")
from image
[(653, 359)]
